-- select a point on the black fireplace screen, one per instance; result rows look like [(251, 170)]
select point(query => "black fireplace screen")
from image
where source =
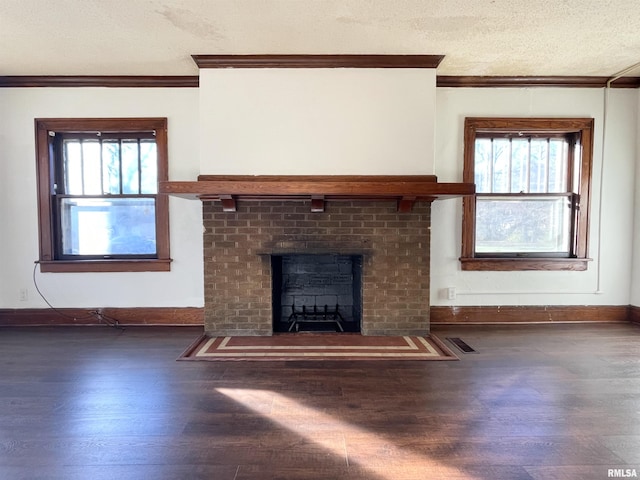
[(316, 292)]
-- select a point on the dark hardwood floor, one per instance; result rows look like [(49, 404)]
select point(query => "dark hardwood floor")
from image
[(536, 402)]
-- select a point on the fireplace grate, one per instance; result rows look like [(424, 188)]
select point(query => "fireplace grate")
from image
[(315, 315)]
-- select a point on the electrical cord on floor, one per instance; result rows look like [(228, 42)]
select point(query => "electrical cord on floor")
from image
[(110, 321)]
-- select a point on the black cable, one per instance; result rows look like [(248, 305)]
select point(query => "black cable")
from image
[(112, 322)]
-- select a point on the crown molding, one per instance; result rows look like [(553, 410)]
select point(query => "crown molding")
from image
[(317, 61), (187, 81), (552, 81), (111, 81)]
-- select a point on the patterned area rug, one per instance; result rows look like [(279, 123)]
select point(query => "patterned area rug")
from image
[(322, 346)]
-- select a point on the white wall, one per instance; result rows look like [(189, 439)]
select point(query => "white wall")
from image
[(607, 280), (181, 287), (317, 121), (635, 278)]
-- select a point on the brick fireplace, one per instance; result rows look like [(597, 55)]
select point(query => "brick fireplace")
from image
[(383, 221), (393, 245), (329, 155)]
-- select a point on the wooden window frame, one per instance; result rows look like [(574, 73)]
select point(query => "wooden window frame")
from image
[(544, 126), (45, 180)]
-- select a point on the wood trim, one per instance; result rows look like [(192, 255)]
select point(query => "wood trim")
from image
[(192, 81), (468, 203), (405, 204), (469, 315), (99, 81), (84, 266), (107, 124), (500, 125), (45, 180), (163, 234), (228, 203), (585, 180), (542, 125), (315, 178), (634, 314), (521, 264), (317, 203), (84, 316), (526, 82), (415, 188), (312, 178), (317, 61), (529, 314)]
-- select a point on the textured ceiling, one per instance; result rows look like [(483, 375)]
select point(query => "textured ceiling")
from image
[(477, 37)]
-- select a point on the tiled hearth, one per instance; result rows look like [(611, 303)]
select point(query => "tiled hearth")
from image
[(239, 245)]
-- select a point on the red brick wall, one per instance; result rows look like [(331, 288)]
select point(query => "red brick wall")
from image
[(237, 264)]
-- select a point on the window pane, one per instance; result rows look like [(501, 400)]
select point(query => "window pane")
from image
[(520, 165), (558, 166), (538, 166), (111, 167), (91, 169), (130, 167), (149, 166), (529, 225), (483, 164), (114, 226), (501, 165), (73, 168)]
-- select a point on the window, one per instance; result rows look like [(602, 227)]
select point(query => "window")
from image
[(98, 194), (531, 207)]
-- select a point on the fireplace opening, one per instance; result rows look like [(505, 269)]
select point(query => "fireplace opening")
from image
[(316, 292)]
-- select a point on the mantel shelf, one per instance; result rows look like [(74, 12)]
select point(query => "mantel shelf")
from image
[(405, 189)]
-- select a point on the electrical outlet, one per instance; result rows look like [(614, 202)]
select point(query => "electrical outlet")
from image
[(451, 293), (24, 294)]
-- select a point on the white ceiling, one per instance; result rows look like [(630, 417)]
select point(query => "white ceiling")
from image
[(477, 37)]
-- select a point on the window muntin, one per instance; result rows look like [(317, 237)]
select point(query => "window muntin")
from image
[(521, 164), (532, 181), (109, 165), (98, 194)]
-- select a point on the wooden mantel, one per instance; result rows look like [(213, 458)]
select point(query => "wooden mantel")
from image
[(405, 189)]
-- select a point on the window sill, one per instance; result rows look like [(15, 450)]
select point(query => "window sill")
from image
[(516, 264), (80, 266)]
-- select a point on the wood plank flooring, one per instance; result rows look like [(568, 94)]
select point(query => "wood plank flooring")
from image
[(537, 402)]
